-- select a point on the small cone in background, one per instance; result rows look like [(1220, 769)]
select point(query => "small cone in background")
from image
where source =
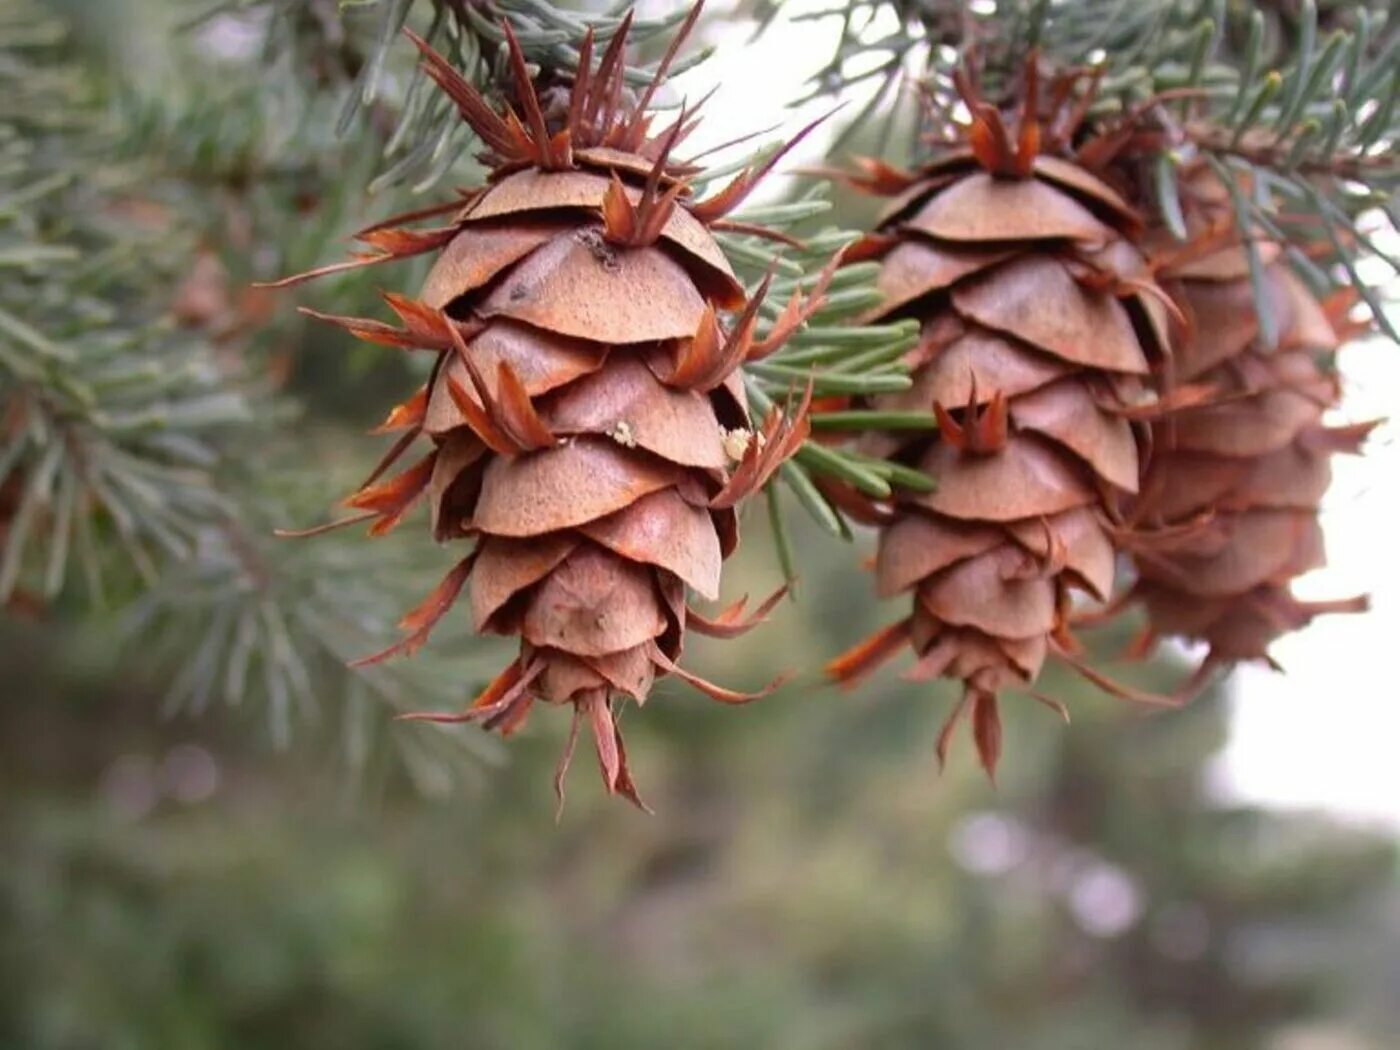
[(583, 404), (1228, 512), (1040, 321)]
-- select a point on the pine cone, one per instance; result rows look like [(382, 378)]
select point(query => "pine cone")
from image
[(1228, 514), (1039, 319), (588, 419)]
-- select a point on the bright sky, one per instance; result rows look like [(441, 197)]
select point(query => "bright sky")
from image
[(1324, 734)]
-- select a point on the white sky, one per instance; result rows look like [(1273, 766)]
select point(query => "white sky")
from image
[(1323, 735), (1326, 732)]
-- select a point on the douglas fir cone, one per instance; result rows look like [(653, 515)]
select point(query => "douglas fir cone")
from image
[(1227, 516), (588, 421), (1039, 322)]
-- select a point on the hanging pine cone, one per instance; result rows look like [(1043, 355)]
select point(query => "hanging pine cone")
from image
[(1228, 513), (1038, 320), (587, 416)]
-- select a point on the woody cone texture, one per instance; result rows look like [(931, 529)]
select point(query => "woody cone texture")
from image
[(1038, 321), (588, 424), (1228, 515)]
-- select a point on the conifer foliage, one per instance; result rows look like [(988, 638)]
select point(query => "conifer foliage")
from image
[(1082, 364), (107, 410)]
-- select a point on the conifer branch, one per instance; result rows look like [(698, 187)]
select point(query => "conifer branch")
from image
[(318, 51), (106, 406), (276, 623), (1302, 103), (839, 357), (129, 473)]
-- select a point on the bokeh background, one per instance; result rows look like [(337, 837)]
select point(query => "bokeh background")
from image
[(810, 881)]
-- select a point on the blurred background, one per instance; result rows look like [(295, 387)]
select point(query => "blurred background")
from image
[(202, 850)]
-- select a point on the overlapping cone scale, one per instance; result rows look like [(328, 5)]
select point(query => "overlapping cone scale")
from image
[(1228, 513), (578, 409), (1039, 323)]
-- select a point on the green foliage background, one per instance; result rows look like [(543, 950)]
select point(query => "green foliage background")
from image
[(809, 880), (234, 876)]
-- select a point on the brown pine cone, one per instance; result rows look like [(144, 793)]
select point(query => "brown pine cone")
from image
[(587, 416), (1228, 514), (1039, 321)]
